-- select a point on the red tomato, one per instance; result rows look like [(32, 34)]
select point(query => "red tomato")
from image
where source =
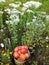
[(16, 49), (23, 51), (26, 47), (22, 47), (19, 47), (15, 54), (21, 57), (26, 55), (19, 52)]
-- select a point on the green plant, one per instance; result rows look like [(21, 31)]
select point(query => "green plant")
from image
[(5, 57), (35, 63), (35, 29)]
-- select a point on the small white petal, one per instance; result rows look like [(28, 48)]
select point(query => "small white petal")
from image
[(29, 10), (22, 13), (28, 23), (33, 20), (11, 22), (34, 17), (2, 45), (1, 30), (7, 22), (47, 37), (47, 17)]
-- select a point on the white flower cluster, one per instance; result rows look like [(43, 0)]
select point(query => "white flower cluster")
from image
[(7, 10), (13, 15), (14, 11), (14, 5), (14, 19), (38, 24), (32, 3), (2, 0)]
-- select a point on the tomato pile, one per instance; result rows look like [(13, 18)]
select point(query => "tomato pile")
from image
[(21, 53)]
